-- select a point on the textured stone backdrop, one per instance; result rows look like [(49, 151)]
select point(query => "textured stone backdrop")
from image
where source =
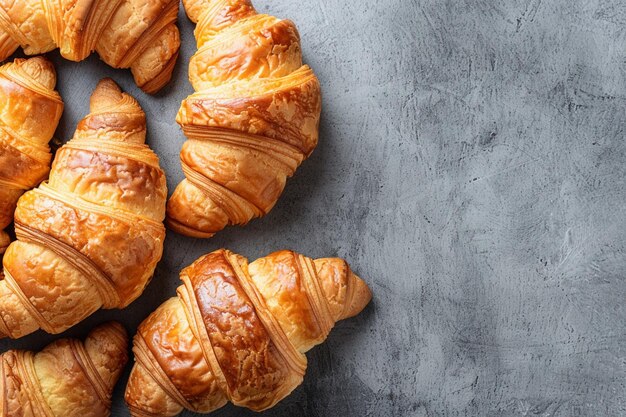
[(472, 170)]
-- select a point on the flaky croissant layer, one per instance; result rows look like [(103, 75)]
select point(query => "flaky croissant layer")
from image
[(91, 236), (68, 378), (30, 110), (252, 121), (238, 332), (137, 34)]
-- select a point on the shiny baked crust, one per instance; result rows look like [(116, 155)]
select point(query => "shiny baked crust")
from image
[(137, 34), (251, 122), (68, 378), (30, 110), (238, 332), (91, 236)]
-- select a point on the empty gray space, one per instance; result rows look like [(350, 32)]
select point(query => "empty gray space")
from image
[(471, 168)]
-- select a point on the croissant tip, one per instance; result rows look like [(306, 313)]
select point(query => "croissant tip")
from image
[(107, 84), (182, 229), (193, 9), (157, 83), (114, 325), (361, 297), (136, 412), (106, 93), (112, 329), (39, 69)]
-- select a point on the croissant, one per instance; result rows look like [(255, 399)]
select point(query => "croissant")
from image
[(238, 332), (136, 34), (90, 236), (68, 378), (30, 110), (252, 121)]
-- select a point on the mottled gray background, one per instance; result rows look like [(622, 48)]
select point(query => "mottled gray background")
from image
[(471, 168)]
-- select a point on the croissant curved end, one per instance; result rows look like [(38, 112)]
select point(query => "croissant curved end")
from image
[(183, 229), (158, 81), (153, 69), (40, 69), (107, 345), (110, 331), (194, 9), (106, 94), (361, 296)]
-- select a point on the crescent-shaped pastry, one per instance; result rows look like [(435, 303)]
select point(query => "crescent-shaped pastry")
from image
[(137, 34), (251, 122), (30, 110), (91, 236), (68, 378), (238, 332)]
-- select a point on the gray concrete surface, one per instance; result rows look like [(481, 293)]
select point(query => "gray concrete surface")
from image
[(471, 168)]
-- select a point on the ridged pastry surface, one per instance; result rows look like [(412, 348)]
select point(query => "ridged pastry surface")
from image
[(30, 110), (68, 378), (238, 332), (136, 34), (90, 237), (251, 122)]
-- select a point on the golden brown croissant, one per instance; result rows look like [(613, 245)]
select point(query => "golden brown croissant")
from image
[(30, 110), (253, 119), (136, 34), (238, 332), (68, 378), (92, 235)]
